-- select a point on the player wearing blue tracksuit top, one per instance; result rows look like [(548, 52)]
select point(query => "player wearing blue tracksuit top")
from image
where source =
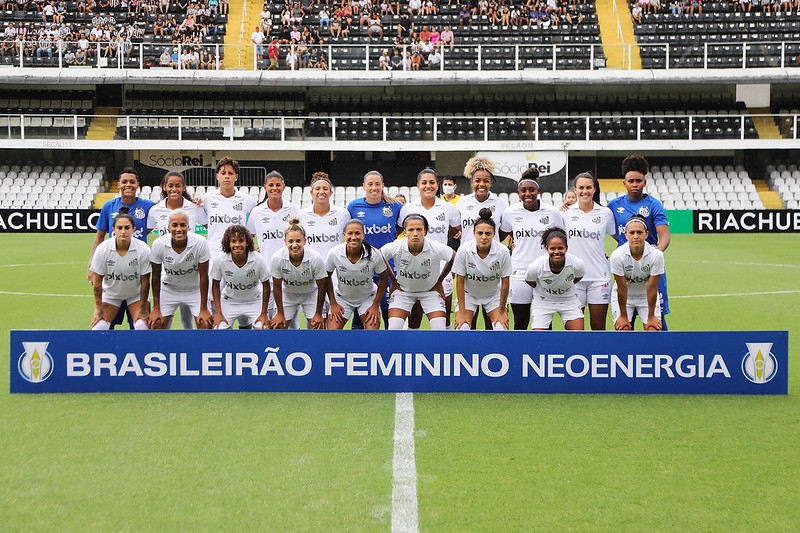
[(634, 169), (379, 214)]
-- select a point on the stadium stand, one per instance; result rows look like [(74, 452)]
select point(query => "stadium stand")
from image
[(786, 181), (719, 35), (32, 186)]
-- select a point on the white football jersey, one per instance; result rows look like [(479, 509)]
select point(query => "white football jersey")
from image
[(354, 280), (268, 227), (158, 217), (551, 287), (441, 217), (121, 273), (637, 273), (326, 231), (242, 284), (526, 228), (224, 212), (180, 271), (586, 234), (298, 279), (417, 273), (482, 275), (468, 208)]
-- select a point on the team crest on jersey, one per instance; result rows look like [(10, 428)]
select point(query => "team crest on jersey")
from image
[(138, 212), (545, 220), (645, 268), (333, 222), (644, 211), (286, 217), (387, 211), (190, 257), (597, 220), (134, 262), (365, 269), (251, 273), (440, 217), (570, 277), (306, 272), (238, 207), (426, 263), (495, 266)]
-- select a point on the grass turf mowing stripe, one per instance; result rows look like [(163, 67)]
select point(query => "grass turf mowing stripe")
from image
[(405, 517), (734, 294), (48, 294)]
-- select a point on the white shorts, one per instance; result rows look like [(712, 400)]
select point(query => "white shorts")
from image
[(293, 303), (519, 292), (635, 307), (447, 285), (593, 292), (489, 303), (117, 302), (245, 313), (170, 300), (543, 312), (349, 306), (430, 301)]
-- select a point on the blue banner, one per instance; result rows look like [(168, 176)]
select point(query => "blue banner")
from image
[(747, 362)]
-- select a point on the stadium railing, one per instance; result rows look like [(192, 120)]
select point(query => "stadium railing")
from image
[(474, 57), (685, 126)]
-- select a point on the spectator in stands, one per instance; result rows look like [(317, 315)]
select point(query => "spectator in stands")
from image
[(165, 60), (505, 15), (291, 60), (336, 26), (414, 8), (258, 39), (44, 45), (574, 16), (447, 38), (405, 26), (636, 14), (375, 26), (324, 17), (396, 61), (434, 59), (695, 6), (675, 7), (295, 35), (273, 52), (384, 62), (416, 60), (464, 16)]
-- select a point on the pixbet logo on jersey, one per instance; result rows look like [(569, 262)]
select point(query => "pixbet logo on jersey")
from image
[(35, 364)]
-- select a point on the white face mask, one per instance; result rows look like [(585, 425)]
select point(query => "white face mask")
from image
[(449, 189)]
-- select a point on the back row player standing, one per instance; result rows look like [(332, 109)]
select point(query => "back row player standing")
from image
[(379, 213), (634, 170)]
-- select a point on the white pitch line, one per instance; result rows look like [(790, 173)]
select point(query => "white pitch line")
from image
[(40, 264), (734, 294), (741, 263), (47, 294), (405, 517)]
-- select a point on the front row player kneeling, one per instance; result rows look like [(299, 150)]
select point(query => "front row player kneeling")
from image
[(419, 276), (245, 296), (354, 262), (298, 280), (553, 277), (180, 274), (636, 267), (483, 268), (121, 274)]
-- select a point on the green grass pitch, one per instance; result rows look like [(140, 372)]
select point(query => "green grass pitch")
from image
[(323, 462)]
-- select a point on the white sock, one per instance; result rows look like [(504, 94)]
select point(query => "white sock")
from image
[(223, 325), (102, 325), (396, 322), (498, 326), (449, 327), (140, 325), (465, 327), (438, 323)]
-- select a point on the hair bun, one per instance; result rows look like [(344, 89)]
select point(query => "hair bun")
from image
[(124, 210), (485, 213), (294, 219)]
